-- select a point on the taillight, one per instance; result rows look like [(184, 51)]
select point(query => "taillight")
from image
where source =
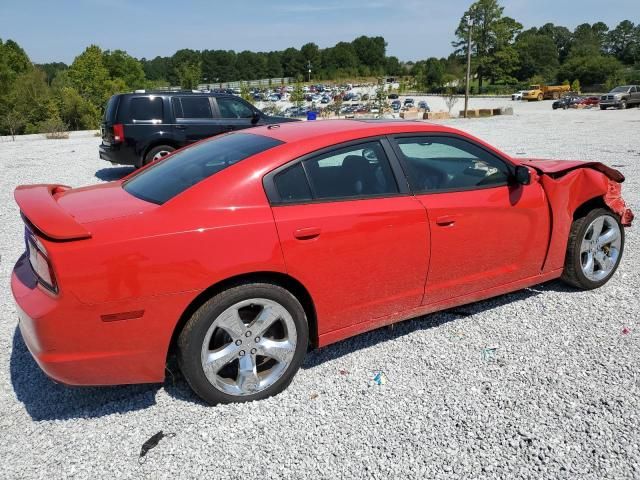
[(40, 264), (118, 133)]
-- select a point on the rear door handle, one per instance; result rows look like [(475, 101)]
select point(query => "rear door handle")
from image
[(307, 233), (180, 127), (445, 220)]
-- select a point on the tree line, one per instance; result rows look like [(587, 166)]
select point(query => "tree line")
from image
[(41, 98)]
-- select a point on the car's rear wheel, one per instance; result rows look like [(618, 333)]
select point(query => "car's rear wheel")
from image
[(156, 153), (540, 97), (244, 344), (596, 243)]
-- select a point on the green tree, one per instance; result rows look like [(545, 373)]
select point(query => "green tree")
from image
[(624, 42), (123, 66), (538, 55), (590, 70), (89, 76)]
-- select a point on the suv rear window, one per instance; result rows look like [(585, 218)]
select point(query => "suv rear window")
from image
[(146, 108), (163, 181), (110, 111)]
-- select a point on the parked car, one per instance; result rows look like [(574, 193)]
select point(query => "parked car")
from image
[(138, 128), (621, 97), (396, 105), (590, 101), (325, 99), (238, 253), (408, 103), (566, 102), (274, 97), (422, 105), (518, 95), (392, 96)]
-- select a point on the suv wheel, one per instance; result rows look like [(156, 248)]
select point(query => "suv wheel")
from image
[(157, 153)]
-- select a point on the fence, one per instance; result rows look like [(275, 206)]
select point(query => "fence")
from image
[(264, 82)]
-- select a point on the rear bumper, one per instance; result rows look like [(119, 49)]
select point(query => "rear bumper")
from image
[(73, 345), (116, 154)]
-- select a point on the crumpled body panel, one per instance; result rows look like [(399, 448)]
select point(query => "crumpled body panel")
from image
[(569, 184)]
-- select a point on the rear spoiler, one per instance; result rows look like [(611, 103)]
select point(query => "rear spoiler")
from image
[(38, 205)]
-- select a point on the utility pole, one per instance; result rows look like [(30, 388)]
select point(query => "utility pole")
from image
[(309, 67), (466, 93)]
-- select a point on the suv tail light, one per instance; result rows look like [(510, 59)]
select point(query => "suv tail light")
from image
[(118, 133), (40, 264)]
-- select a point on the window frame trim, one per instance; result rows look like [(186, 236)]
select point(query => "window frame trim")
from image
[(398, 152), (273, 196)]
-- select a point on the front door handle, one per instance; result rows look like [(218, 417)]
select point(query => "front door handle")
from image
[(307, 233), (445, 220)]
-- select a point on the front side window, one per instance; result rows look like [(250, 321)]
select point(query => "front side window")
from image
[(231, 108), (146, 109), (447, 163), (357, 171), (163, 181)]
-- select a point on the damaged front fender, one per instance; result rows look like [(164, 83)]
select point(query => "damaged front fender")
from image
[(568, 185)]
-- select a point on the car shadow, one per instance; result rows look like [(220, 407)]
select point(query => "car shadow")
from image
[(110, 174), (46, 400)]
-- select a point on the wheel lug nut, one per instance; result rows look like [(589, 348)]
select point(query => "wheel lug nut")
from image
[(248, 334), (257, 339), (253, 350), (241, 353), (238, 342)]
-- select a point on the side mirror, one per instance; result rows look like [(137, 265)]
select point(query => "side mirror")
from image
[(255, 118), (522, 176)]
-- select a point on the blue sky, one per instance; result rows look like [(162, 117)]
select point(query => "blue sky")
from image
[(414, 29)]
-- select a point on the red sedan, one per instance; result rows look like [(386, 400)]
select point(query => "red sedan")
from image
[(241, 251)]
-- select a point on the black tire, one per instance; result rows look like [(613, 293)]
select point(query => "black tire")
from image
[(573, 274), (602, 107), (191, 339), (623, 105), (148, 158)]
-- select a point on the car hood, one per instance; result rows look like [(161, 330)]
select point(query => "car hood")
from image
[(101, 202), (558, 168)]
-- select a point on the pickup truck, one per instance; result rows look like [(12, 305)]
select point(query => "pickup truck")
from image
[(544, 92), (621, 97)]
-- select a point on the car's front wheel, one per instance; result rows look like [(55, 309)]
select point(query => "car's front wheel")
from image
[(596, 243), (244, 344)]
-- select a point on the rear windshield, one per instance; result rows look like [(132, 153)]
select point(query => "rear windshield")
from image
[(162, 182), (110, 111)]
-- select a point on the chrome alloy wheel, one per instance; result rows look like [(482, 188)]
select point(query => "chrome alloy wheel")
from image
[(600, 248), (160, 154), (249, 346)]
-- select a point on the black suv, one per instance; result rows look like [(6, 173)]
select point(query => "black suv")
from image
[(140, 127)]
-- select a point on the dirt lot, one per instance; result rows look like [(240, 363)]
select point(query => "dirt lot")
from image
[(557, 398)]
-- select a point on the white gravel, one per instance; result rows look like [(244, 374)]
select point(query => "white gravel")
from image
[(558, 398)]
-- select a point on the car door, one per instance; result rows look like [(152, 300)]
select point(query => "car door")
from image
[(194, 119), (634, 95), (485, 231), (351, 233), (234, 113)]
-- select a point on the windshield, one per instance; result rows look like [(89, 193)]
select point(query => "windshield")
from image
[(163, 181), (620, 90)]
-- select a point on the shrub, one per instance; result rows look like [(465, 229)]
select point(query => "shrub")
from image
[(54, 129)]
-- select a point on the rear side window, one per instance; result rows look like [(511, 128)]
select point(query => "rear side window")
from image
[(192, 107), (292, 185), (146, 108), (163, 181)]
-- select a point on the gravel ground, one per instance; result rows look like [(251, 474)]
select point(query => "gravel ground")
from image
[(541, 383)]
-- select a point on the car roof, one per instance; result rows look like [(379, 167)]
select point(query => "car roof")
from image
[(291, 132), (160, 93)]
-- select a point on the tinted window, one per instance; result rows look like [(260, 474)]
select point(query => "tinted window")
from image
[(145, 108), (110, 111), (447, 163), (169, 177), (358, 171), (292, 185), (232, 108), (195, 107)]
